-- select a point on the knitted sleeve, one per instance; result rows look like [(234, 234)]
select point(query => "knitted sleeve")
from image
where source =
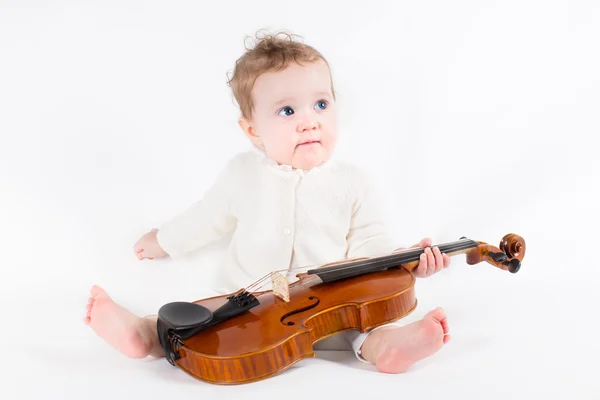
[(205, 221), (368, 235)]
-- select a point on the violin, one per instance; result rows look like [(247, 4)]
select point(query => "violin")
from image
[(252, 334)]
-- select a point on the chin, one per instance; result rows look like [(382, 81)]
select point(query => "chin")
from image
[(307, 165), (310, 161)]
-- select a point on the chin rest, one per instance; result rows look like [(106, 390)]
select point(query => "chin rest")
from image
[(181, 320), (181, 316)]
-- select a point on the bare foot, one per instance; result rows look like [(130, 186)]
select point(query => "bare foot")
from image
[(395, 349), (133, 336)]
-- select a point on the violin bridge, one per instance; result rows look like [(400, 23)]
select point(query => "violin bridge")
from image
[(281, 288)]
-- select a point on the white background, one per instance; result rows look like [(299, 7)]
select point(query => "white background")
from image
[(478, 118)]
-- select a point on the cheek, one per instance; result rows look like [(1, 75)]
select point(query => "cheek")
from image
[(279, 136), (331, 128)]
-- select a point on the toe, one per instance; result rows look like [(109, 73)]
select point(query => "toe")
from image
[(437, 314), (88, 307), (445, 326), (97, 291)]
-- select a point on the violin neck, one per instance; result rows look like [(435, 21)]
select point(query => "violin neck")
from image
[(408, 258)]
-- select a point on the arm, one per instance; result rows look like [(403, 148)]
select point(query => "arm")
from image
[(368, 235), (205, 221)]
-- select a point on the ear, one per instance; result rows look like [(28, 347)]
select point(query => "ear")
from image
[(249, 131)]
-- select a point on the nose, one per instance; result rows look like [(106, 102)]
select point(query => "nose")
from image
[(308, 123)]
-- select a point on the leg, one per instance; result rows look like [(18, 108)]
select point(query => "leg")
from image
[(131, 335), (394, 349)]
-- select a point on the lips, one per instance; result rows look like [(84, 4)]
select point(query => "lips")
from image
[(309, 142)]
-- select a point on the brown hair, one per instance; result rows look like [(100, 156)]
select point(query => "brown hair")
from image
[(270, 53)]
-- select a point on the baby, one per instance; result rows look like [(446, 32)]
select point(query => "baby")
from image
[(288, 204)]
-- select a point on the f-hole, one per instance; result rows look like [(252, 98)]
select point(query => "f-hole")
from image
[(308, 307)]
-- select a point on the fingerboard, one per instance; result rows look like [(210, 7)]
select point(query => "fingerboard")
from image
[(374, 264)]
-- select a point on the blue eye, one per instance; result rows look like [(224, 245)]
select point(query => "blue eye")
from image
[(287, 111), (322, 104)]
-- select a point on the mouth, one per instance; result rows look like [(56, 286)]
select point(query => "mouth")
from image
[(309, 142)]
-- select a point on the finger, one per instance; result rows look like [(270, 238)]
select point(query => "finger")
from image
[(138, 247), (430, 261), (446, 260), (439, 260), (445, 327), (423, 243), (422, 267)]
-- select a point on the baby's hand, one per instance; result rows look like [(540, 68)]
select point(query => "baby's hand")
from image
[(431, 261), (148, 247)]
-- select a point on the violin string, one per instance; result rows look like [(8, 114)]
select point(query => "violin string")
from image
[(313, 266), (267, 276), (391, 257), (260, 287), (253, 287), (256, 288), (249, 288), (452, 246)]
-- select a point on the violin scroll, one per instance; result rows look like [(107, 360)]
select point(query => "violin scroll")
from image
[(513, 246), (507, 257)]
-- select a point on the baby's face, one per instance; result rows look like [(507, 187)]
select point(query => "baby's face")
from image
[(294, 118)]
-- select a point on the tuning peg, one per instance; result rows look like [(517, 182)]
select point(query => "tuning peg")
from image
[(514, 265)]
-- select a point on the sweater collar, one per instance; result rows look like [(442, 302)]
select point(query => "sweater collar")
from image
[(288, 169)]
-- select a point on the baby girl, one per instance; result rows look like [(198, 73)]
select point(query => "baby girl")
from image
[(288, 204)]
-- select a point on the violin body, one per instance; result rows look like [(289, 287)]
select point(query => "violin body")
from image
[(243, 337), (276, 334)]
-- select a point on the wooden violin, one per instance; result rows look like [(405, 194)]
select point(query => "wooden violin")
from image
[(252, 335)]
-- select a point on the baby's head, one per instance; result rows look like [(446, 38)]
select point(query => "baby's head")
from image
[(285, 93)]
